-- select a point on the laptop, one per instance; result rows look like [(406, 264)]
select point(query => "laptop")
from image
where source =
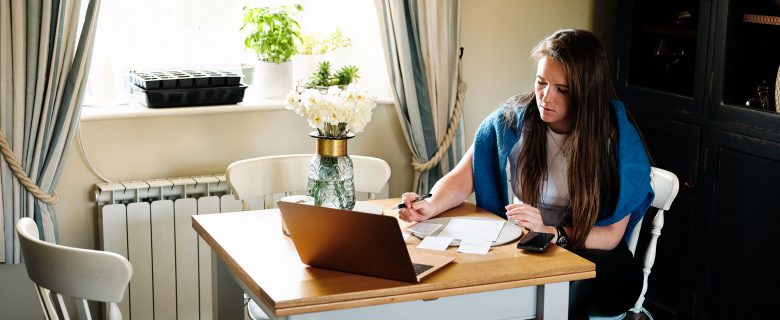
[(355, 242)]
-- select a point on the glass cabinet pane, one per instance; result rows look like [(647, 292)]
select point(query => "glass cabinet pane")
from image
[(663, 45), (752, 54)]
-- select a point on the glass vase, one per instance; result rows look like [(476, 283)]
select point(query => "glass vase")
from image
[(331, 181)]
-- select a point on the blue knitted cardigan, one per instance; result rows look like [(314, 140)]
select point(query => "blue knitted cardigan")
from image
[(495, 139)]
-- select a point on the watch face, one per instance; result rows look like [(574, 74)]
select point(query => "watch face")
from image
[(563, 241)]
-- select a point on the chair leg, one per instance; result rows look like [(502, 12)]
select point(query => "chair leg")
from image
[(655, 232)]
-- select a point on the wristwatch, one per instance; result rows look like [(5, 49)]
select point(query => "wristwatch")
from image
[(563, 239)]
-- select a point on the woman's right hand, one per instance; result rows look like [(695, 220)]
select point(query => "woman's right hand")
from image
[(417, 211)]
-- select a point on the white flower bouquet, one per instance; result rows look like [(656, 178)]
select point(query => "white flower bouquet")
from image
[(335, 113)]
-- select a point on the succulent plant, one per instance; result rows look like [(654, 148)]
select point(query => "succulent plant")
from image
[(323, 76), (346, 75)]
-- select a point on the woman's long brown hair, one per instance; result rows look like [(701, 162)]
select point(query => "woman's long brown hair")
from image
[(593, 176)]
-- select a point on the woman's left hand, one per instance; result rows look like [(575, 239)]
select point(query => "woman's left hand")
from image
[(526, 216)]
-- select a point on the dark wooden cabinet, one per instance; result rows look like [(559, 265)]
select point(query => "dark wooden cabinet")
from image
[(745, 56), (742, 208), (693, 73), (662, 63)]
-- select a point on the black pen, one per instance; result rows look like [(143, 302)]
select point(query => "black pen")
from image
[(403, 205)]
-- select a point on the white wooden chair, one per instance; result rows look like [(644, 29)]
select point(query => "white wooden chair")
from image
[(62, 273), (665, 185), (272, 177)]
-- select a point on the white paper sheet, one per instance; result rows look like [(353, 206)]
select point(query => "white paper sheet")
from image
[(366, 207), (435, 243), (475, 246), (459, 228)]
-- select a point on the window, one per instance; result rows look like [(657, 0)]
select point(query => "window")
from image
[(204, 34)]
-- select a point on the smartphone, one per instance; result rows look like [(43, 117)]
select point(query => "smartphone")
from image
[(535, 241)]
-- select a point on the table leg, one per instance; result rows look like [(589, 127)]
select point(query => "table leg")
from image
[(552, 301), (227, 296)]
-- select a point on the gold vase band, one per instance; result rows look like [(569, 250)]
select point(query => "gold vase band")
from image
[(331, 147)]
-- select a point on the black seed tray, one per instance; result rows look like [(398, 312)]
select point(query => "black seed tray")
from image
[(163, 98), (184, 79)]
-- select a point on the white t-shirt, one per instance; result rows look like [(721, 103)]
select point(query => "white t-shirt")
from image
[(555, 200)]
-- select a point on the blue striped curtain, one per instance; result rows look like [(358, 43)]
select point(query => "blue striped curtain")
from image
[(422, 46), (44, 60)]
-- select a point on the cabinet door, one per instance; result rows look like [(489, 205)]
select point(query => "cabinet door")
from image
[(738, 233), (674, 146), (745, 65), (662, 55)]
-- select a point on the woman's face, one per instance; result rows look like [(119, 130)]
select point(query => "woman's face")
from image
[(552, 95)]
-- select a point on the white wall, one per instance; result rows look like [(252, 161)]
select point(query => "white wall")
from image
[(497, 35)]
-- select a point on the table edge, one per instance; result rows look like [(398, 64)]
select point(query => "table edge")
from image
[(434, 294)]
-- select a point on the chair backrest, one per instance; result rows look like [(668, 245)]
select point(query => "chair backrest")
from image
[(288, 174), (665, 185), (61, 273)]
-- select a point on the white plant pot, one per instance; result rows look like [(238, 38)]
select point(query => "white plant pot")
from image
[(273, 80), (249, 74)]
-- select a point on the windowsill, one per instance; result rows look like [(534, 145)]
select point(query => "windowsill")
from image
[(251, 103)]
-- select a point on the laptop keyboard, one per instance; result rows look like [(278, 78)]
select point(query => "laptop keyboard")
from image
[(420, 268)]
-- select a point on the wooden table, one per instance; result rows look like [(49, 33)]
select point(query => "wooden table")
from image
[(251, 251)]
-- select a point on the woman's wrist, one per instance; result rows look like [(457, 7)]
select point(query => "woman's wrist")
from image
[(434, 207), (551, 229)]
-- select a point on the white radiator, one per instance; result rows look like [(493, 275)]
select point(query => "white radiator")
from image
[(149, 222)]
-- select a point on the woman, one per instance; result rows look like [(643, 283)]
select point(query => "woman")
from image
[(577, 166)]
